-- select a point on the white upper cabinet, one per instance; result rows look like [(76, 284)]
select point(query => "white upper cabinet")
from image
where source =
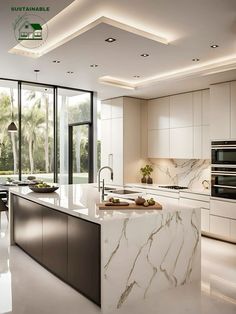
[(106, 109), (181, 110), (159, 143), (159, 113), (220, 111), (206, 107), (181, 143), (233, 109), (197, 108), (117, 107)]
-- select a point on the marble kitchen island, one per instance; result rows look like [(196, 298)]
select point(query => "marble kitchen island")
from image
[(113, 257)]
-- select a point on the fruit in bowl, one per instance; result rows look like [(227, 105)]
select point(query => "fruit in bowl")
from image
[(43, 185)]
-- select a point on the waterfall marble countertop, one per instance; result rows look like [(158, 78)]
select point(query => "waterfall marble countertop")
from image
[(142, 251), (80, 200)]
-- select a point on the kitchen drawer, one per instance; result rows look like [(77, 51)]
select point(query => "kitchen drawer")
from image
[(194, 203), (233, 230), (163, 200), (163, 193), (195, 196), (220, 226), (205, 220), (223, 208)]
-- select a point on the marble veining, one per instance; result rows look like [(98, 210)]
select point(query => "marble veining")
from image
[(190, 172), (161, 253)]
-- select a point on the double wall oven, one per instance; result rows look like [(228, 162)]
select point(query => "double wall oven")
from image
[(223, 169)]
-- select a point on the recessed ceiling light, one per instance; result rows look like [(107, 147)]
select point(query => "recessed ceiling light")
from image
[(69, 72), (110, 40), (195, 59), (144, 55), (136, 76), (56, 61), (214, 46), (36, 71), (93, 65)]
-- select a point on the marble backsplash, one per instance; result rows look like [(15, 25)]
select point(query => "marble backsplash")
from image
[(190, 172)]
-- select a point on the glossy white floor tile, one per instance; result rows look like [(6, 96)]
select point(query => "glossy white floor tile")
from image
[(27, 288)]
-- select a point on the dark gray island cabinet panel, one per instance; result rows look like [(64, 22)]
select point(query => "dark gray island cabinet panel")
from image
[(84, 257), (68, 246), (55, 242), (28, 226)]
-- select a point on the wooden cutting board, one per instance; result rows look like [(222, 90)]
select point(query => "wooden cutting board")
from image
[(126, 206)]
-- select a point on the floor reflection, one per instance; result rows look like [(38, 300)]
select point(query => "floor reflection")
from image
[(5, 274)]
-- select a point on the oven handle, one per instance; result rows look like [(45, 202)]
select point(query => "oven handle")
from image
[(224, 186), (224, 147), (223, 166), (232, 174)]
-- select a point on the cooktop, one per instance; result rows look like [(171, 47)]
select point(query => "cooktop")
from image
[(173, 187)]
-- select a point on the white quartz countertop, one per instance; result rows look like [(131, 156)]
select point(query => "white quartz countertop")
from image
[(80, 200), (157, 187)]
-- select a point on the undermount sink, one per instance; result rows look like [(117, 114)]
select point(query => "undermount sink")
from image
[(107, 188), (124, 192)]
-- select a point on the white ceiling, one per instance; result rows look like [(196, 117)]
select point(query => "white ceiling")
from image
[(190, 27)]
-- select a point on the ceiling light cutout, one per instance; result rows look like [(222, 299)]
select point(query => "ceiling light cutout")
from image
[(110, 40), (145, 55), (214, 46)]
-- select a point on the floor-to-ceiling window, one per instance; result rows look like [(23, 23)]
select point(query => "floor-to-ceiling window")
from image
[(54, 138), (8, 141), (37, 150)]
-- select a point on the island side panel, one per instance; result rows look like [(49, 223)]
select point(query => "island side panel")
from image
[(142, 256), (70, 246)]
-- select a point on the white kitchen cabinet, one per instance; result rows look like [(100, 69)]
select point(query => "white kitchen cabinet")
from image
[(206, 107), (220, 128), (206, 143), (159, 113), (181, 110), (197, 142), (233, 230), (106, 110), (197, 108), (220, 226), (181, 143), (121, 139), (205, 220), (223, 208), (159, 143), (117, 107), (233, 109)]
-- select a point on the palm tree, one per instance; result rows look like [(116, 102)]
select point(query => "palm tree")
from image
[(32, 121), (4, 118), (13, 136), (42, 101)]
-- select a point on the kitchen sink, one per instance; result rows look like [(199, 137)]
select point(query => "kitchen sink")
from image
[(122, 192), (107, 188)]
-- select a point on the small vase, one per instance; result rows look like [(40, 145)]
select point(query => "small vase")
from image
[(149, 180), (143, 180)]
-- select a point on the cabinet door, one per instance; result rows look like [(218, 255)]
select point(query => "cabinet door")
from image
[(197, 108), (106, 142), (55, 242), (220, 111), (233, 109), (84, 257), (117, 150), (220, 226), (106, 109), (197, 142), (181, 110), (159, 143), (117, 107), (206, 107), (206, 143), (159, 113), (181, 143), (233, 230), (205, 220), (28, 226)]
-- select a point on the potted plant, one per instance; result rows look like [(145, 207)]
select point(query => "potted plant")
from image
[(149, 170), (144, 174)]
